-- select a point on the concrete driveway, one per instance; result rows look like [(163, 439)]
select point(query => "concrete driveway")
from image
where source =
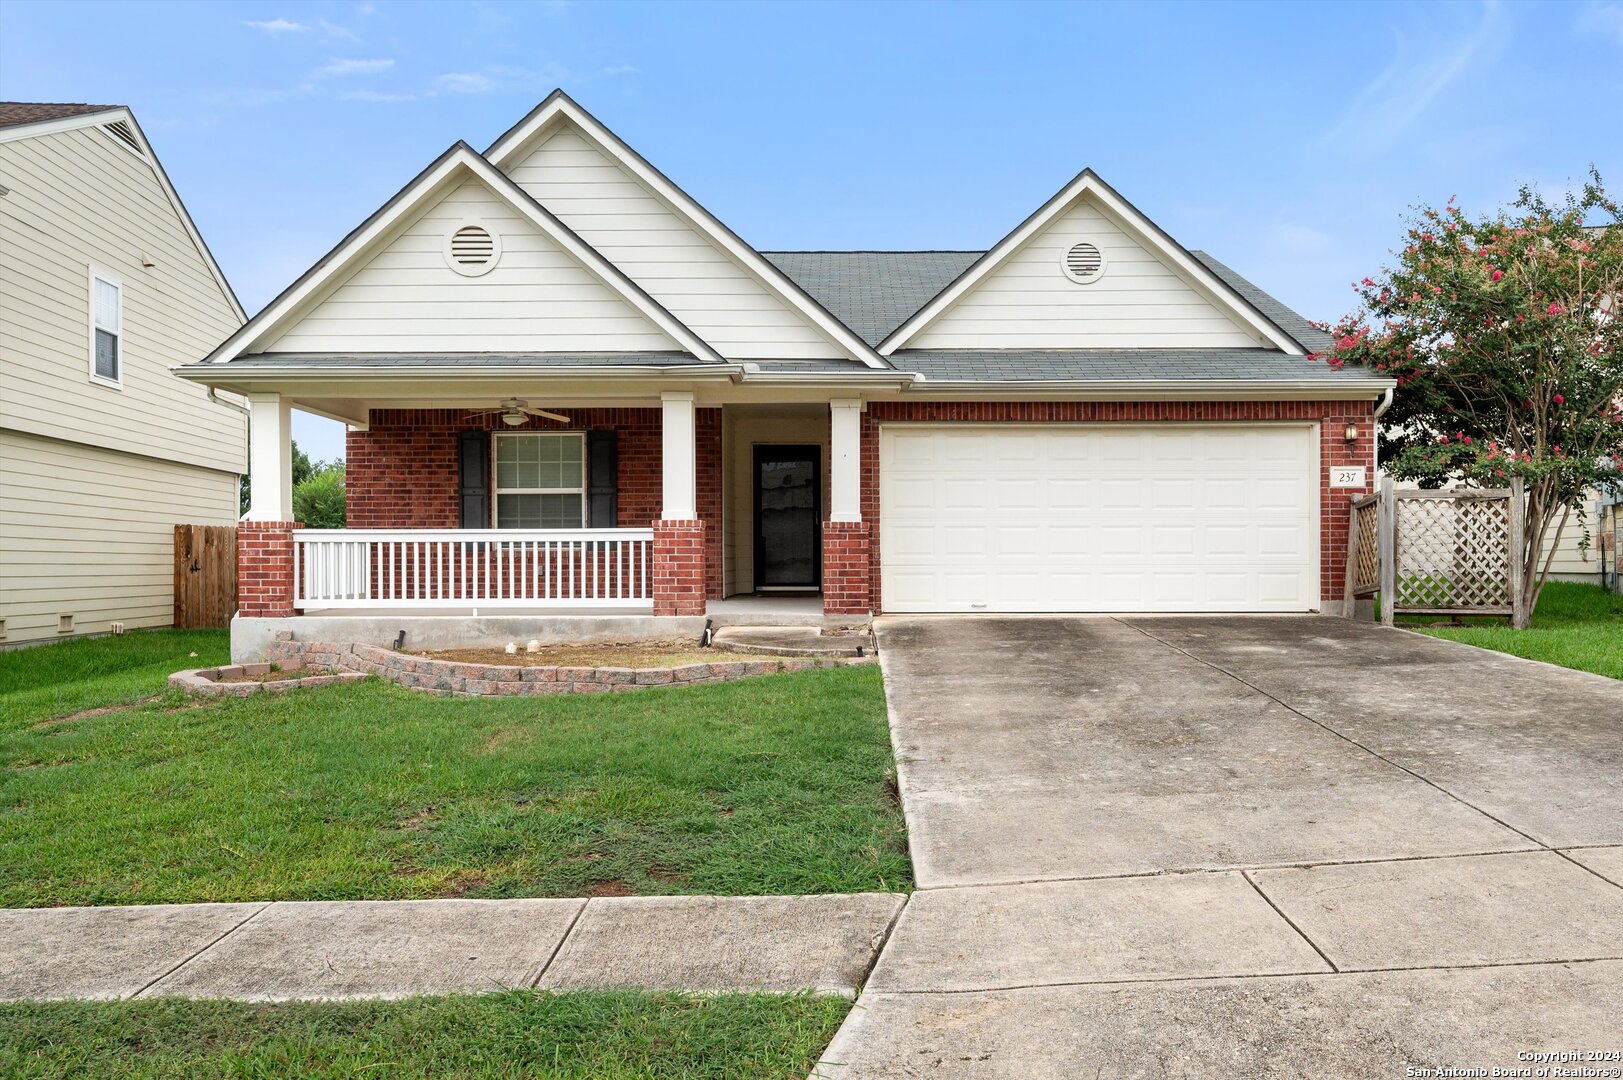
[(1261, 846)]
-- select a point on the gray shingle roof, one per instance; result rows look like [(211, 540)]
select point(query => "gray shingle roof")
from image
[(33, 112), (1109, 365), (514, 360), (1314, 339), (872, 292)]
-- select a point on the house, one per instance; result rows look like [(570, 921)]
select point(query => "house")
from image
[(570, 388), (105, 285)]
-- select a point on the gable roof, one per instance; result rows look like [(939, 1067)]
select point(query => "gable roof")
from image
[(428, 185), (33, 112), (1153, 237), (560, 106), (873, 292), (29, 120)]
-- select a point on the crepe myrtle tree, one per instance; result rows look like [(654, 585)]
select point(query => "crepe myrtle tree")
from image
[(1505, 336)]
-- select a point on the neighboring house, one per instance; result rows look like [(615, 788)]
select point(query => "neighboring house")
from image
[(1573, 560), (1087, 417), (105, 285)]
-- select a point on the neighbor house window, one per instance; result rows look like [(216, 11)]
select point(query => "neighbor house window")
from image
[(540, 480), (106, 328)]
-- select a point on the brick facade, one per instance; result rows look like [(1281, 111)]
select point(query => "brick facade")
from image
[(402, 472), (679, 567), (846, 568), (265, 569), (1333, 417)]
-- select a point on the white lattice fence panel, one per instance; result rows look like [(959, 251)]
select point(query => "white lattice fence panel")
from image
[(1453, 553), (1366, 548)]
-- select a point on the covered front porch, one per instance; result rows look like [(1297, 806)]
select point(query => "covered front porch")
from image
[(671, 507)]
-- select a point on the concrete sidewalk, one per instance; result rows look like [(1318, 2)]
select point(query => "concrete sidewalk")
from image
[(390, 949)]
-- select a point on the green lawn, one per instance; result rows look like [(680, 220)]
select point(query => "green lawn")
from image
[(518, 1034), (778, 784), (89, 673), (1576, 626)]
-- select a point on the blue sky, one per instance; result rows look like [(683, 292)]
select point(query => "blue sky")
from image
[(1287, 140)]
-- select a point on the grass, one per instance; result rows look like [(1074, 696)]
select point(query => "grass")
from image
[(515, 1034), (47, 681), (368, 791), (1576, 626)]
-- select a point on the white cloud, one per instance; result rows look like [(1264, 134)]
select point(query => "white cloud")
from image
[(356, 67), (277, 26), (1379, 114), (378, 96), (1605, 20), (462, 82), (621, 69), (334, 30)]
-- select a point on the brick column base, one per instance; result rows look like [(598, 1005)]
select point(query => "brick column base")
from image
[(265, 569), (678, 568), (845, 568)]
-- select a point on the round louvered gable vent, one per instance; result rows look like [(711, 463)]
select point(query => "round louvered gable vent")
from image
[(1084, 263), (472, 249)]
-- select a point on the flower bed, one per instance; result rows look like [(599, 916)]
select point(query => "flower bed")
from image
[(240, 680), (355, 661)]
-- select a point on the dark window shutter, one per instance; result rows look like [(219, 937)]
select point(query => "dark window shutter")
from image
[(602, 474), (473, 453)]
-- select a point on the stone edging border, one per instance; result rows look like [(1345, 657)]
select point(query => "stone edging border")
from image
[(206, 682), (353, 661)]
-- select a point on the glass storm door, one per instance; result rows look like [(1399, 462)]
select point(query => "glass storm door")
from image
[(788, 517)]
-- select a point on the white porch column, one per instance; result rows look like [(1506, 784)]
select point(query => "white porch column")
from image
[(845, 460), (270, 458), (677, 467)]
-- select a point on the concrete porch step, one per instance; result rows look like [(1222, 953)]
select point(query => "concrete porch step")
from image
[(792, 640)]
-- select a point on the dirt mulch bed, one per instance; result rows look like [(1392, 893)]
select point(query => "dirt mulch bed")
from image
[(639, 654)]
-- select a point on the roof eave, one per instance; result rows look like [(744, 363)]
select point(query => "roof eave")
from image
[(1158, 389)]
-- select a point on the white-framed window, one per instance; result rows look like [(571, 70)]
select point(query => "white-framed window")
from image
[(540, 480), (106, 328)]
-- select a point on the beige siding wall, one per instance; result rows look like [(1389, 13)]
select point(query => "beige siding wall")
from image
[(77, 198), (537, 299), (90, 532), (1572, 562), (741, 436), (678, 266), (1028, 302)]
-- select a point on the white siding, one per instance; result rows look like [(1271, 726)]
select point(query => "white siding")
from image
[(538, 298), (680, 267), (1573, 563), (90, 532), (1029, 303), (78, 198)]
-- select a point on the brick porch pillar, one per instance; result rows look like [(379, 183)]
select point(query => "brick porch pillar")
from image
[(678, 568), (845, 568), (265, 569)]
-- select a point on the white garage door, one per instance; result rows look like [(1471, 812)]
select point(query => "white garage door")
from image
[(1098, 518)]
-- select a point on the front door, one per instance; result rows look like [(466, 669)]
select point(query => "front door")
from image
[(788, 517)]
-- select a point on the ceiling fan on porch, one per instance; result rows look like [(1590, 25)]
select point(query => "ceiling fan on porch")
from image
[(515, 412)]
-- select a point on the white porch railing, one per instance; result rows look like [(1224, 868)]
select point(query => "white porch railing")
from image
[(472, 568)]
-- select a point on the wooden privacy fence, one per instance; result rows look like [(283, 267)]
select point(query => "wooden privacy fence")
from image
[(1437, 552), (205, 575)]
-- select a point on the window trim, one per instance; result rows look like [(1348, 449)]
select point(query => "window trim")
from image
[(96, 274), (496, 490)]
